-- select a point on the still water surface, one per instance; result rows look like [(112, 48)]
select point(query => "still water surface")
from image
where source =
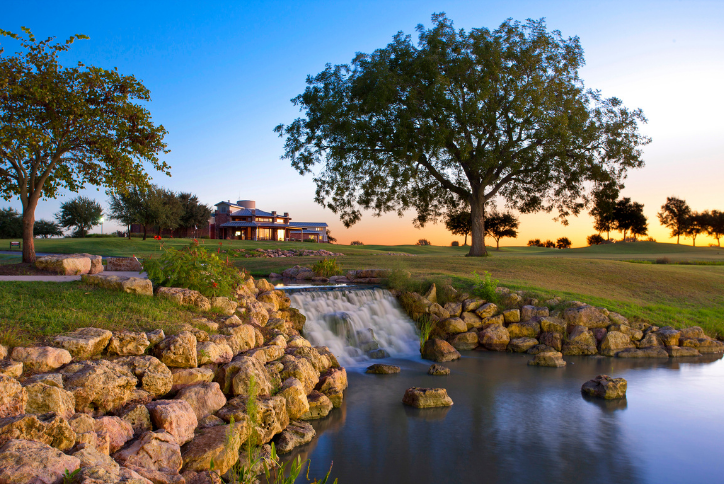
[(517, 424)]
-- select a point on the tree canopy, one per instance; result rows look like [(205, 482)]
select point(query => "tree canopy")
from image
[(696, 224), (68, 127), (473, 114), (459, 223), (674, 215), (11, 224), (193, 212), (715, 225), (602, 211), (82, 213), (628, 217), (499, 225)]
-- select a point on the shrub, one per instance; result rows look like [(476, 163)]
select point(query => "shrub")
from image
[(327, 268), (194, 268), (651, 239), (549, 244), (401, 280), (455, 243), (595, 239), (423, 242), (563, 243), (663, 260), (535, 243), (484, 287), (356, 242)]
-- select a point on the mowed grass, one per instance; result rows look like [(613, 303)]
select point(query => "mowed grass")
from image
[(33, 311), (662, 294)]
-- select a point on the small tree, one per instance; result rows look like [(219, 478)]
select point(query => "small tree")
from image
[(499, 225), (563, 243), (535, 243), (193, 212), (549, 244), (674, 215), (67, 127), (454, 243), (11, 224), (715, 225), (595, 239), (81, 213), (171, 210), (604, 204), (629, 216), (47, 228), (423, 242), (124, 207), (695, 224), (459, 223)]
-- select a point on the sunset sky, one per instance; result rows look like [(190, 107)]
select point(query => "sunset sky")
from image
[(221, 75)]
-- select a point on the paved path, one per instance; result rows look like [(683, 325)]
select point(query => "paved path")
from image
[(68, 278)]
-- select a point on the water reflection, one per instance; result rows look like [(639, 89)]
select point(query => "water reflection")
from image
[(513, 423)]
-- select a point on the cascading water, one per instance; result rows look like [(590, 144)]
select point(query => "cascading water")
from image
[(357, 325)]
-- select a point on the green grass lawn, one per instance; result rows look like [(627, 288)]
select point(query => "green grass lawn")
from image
[(663, 294), (33, 311)]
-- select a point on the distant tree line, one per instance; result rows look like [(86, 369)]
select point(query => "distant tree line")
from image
[(157, 207), (11, 226), (562, 243), (678, 217), (497, 225)]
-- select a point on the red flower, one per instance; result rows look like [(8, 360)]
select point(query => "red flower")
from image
[(215, 285)]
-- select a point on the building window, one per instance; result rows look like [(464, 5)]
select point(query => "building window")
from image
[(263, 234), (280, 235)]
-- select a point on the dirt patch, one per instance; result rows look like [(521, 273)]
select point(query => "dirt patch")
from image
[(23, 269)]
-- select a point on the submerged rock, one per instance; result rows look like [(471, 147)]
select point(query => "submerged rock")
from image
[(438, 370), (380, 369), (296, 434), (603, 386), (426, 397), (551, 359)]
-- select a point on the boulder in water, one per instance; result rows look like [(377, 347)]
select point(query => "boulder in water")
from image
[(603, 386), (438, 370), (426, 397), (439, 350), (378, 354)]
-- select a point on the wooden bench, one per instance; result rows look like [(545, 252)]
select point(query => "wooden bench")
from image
[(15, 244)]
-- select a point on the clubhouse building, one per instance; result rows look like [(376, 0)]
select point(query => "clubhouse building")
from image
[(243, 221)]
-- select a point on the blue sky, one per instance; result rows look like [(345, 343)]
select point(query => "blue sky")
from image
[(221, 75)]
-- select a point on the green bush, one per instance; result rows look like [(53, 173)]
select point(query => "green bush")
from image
[(455, 243), (484, 287), (356, 242), (194, 268), (327, 268)]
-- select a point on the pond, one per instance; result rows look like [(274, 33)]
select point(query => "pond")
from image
[(511, 423)]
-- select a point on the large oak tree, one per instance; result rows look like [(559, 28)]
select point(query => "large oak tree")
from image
[(473, 114), (68, 127)]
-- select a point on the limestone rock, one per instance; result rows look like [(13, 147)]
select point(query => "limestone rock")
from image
[(154, 450), (538, 349), (553, 325), (44, 398), (439, 350), (580, 342), (84, 343), (178, 351), (526, 329), (438, 370), (176, 417), (550, 359), (471, 320), (272, 416), (98, 386), (511, 316), (426, 397), (155, 336), (246, 369), (118, 431), (554, 340), (24, 462), (588, 316), (13, 397), (451, 326), (486, 310), (219, 444), (302, 370), (205, 398), (464, 341), (319, 406), (454, 308), (240, 337), (710, 346), (155, 377), (320, 362), (614, 342), (184, 377), (381, 369), (333, 383), (11, 368), (127, 343), (297, 433), (41, 358), (138, 417), (603, 386), (528, 312), (647, 352), (293, 392), (669, 336), (3, 352), (680, 352), (211, 352), (65, 264), (49, 429), (494, 338), (184, 296), (224, 305), (694, 332), (521, 345)]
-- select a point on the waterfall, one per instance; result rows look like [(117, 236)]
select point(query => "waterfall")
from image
[(357, 325)]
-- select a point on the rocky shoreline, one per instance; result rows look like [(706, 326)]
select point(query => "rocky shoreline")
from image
[(547, 330), (134, 407)]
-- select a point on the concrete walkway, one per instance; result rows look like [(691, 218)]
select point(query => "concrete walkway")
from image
[(142, 275)]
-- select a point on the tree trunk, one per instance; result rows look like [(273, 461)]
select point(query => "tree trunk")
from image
[(497, 244), (693, 240), (144, 232), (477, 214), (677, 238), (466, 239), (28, 225)]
